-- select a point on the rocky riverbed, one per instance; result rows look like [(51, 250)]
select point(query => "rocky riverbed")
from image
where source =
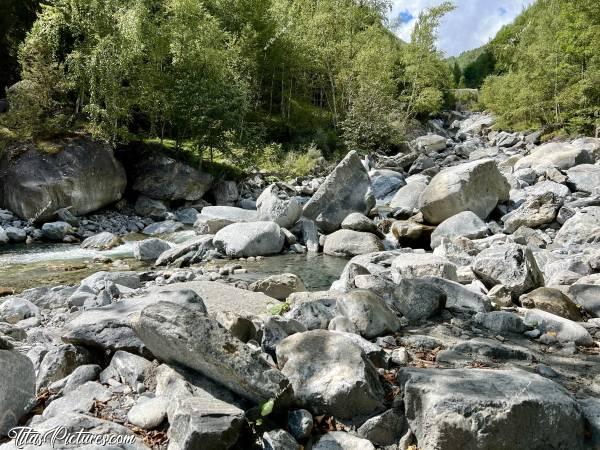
[(447, 297)]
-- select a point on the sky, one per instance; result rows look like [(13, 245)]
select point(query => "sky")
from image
[(472, 24)]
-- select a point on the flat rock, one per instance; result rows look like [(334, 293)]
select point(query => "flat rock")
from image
[(348, 243)]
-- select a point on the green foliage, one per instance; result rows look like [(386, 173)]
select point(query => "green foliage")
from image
[(223, 78), (548, 68)]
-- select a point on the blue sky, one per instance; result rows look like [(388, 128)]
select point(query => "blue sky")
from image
[(471, 25)]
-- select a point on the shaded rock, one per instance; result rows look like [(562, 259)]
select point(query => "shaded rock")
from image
[(418, 265), (17, 390), (60, 362), (273, 205), (249, 239), (275, 330), (225, 193), (384, 429), (582, 228), (280, 440), (148, 207), (586, 295), (330, 374), (149, 249), (500, 322), (300, 424), (56, 231), (102, 241), (475, 186), (359, 222), (465, 224), (350, 243), (83, 176), (346, 190), (163, 178), (131, 369), (498, 402), (511, 265), (409, 232), (187, 216), (16, 235), (553, 301), (418, 299), (385, 182)]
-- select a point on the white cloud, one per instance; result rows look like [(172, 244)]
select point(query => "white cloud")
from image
[(472, 24)]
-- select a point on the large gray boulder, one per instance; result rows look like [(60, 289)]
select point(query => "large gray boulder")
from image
[(430, 143), (346, 190), (182, 333), (17, 390), (560, 155), (417, 299), (407, 197), (56, 231), (368, 313), (475, 186), (465, 224), (511, 265), (274, 205), (537, 211), (564, 330), (149, 249), (163, 178), (84, 176), (585, 177), (489, 410), (349, 243), (582, 228), (330, 374), (385, 182), (250, 239)]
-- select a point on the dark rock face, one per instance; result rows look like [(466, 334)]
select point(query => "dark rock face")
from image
[(163, 178), (84, 176)]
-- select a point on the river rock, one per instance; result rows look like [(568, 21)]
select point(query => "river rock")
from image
[(407, 198), (384, 429), (148, 207), (149, 413), (346, 190), (338, 440), (498, 402), (553, 301), (385, 182), (350, 243), (279, 286), (250, 239), (560, 155), (56, 231), (102, 241), (16, 235), (412, 233), (83, 176), (565, 330), (418, 265), (274, 205), (166, 227), (15, 309), (582, 228), (533, 213), (17, 390), (225, 193), (500, 322), (330, 374), (430, 143), (475, 186), (459, 297), (230, 213), (511, 265), (359, 222), (586, 295), (369, 313), (196, 248), (418, 299), (584, 177), (149, 249), (183, 334), (163, 178), (3, 236), (60, 362), (465, 224)]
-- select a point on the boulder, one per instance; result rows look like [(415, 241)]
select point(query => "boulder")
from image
[(148, 207), (560, 155), (553, 301), (187, 216), (418, 265), (584, 177), (102, 241), (430, 143), (385, 182), (511, 265), (56, 231), (359, 222), (417, 299), (348, 243), (368, 313), (459, 297), (586, 295), (346, 190), (475, 186), (163, 178), (149, 249), (225, 193), (183, 334), (407, 198), (465, 224), (16, 235), (338, 440), (533, 213), (196, 248), (582, 228), (411, 233), (60, 362), (15, 309), (17, 390), (83, 176), (274, 205), (564, 330), (249, 239), (500, 322), (488, 409), (330, 374), (279, 286)]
